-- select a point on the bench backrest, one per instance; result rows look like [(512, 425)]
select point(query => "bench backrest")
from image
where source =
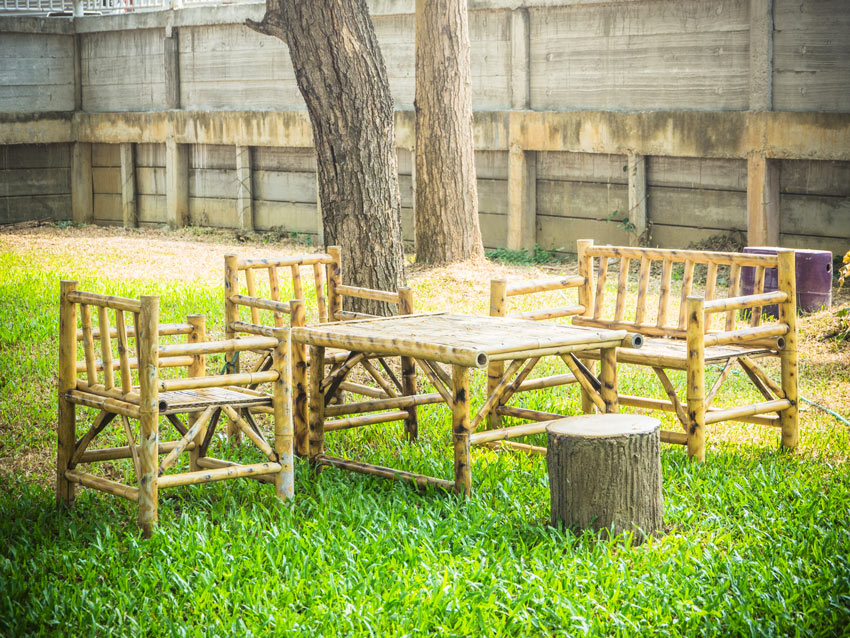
[(717, 275), (501, 290)]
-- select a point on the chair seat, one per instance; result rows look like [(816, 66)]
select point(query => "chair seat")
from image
[(673, 353), (180, 401)]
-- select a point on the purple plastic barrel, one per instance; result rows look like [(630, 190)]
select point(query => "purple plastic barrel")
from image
[(814, 278)]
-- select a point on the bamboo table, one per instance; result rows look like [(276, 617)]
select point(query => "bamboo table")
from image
[(461, 341)]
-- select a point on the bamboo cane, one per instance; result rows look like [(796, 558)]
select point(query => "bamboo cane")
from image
[(745, 301), (316, 421), (148, 412), (215, 347), (334, 280), (67, 421), (105, 348), (608, 378), (461, 429), (363, 390), (549, 313), (699, 256), (189, 437), (123, 354), (123, 452), (746, 336), (519, 447), (748, 363), (297, 288), (594, 397), (663, 405), (104, 301), (585, 270), (208, 462), (696, 379), (687, 287), (100, 422), (361, 421), (664, 293), (776, 405), (494, 397), (710, 291), (408, 369), (299, 382), (643, 286), (248, 431), (103, 403), (321, 292), (131, 446), (384, 404), (88, 344), (541, 285), (220, 474), (542, 383), (525, 413), (197, 369), (177, 328), (420, 480), (515, 431), (734, 289), (671, 394), (622, 280), (385, 385), (718, 383), (367, 293), (601, 277), (251, 287), (217, 381), (281, 262), (283, 424), (787, 280), (102, 484), (435, 380), (274, 288), (164, 362), (755, 316), (676, 438)]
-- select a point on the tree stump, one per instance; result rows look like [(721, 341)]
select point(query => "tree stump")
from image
[(605, 473)]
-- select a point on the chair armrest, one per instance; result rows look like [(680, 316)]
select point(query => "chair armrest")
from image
[(744, 301), (226, 345)]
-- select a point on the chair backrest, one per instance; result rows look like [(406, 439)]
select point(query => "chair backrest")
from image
[(501, 290), (115, 334), (329, 291), (717, 275)]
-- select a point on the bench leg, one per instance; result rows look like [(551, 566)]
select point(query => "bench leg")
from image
[(608, 379), (149, 465), (696, 379)]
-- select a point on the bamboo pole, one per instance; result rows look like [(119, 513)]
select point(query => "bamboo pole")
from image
[(608, 378), (710, 291), (549, 313), (302, 260), (251, 287), (190, 436), (131, 446), (123, 354), (601, 277), (148, 412), (321, 292), (671, 394), (110, 393), (745, 301), (364, 390), (102, 484), (197, 369), (164, 362), (642, 328), (384, 404), (103, 403), (299, 382), (217, 381), (435, 380), (525, 413), (676, 438), (105, 301), (718, 383), (297, 287), (518, 381), (100, 422), (513, 432), (755, 316), (593, 397), (461, 429), (696, 379), (746, 336), (284, 483), (231, 316), (67, 420), (248, 431), (123, 452), (367, 293), (643, 286), (776, 405), (585, 270), (334, 280), (734, 289), (687, 287), (698, 256), (361, 421), (259, 303), (495, 396), (88, 344), (541, 285), (622, 280), (665, 406), (542, 383), (496, 369), (787, 280), (208, 462), (177, 328), (274, 288), (664, 293), (215, 347), (408, 369), (385, 385), (519, 447), (316, 421), (749, 364), (420, 480), (105, 348), (219, 474)]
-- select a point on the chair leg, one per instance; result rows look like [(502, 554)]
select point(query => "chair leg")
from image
[(284, 482), (149, 462), (65, 489), (696, 379)]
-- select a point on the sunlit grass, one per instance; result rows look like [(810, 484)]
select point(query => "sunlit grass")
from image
[(757, 541)]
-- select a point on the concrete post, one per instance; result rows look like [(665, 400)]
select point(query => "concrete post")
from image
[(520, 59), (762, 201), (761, 55), (82, 195), (172, 69), (129, 201), (176, 183), (244, 190), (522, 199), (78, 73), (637, 197)]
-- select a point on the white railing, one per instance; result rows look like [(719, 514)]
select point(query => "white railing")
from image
[(103, 6)]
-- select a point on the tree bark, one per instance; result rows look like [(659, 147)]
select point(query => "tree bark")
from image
[(341, 75), (447, 227), (605, 473)]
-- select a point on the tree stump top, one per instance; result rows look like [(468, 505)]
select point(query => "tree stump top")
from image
[(603, 425)]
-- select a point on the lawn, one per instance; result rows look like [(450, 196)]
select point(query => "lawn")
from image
[(756, 542)]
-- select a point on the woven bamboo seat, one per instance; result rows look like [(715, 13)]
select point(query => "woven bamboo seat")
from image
[(178, 401), (673, 353)]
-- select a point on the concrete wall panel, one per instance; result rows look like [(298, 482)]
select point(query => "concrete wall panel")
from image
[(36, 72)]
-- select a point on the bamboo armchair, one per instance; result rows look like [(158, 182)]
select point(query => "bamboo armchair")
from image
[(141, 394), (267, 313), (703, 330)]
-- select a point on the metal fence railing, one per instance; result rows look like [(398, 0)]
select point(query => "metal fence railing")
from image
[(79, 7)]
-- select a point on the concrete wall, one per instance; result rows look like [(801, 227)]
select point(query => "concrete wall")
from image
[(549, 77), (35, 182)]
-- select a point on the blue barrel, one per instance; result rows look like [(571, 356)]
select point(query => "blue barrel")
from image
[(814, 279)]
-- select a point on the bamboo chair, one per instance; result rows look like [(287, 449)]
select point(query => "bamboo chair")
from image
[(140, 393), (704, 330), (327, 275)]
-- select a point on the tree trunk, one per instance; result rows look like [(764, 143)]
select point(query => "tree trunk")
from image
[(605, 473), (342, 77), (447, 227)]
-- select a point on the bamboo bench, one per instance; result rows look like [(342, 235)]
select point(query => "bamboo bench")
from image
[(703, 330), (268, 313), (141, 394)]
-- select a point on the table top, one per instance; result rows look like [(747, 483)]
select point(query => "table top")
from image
[(466, 340)]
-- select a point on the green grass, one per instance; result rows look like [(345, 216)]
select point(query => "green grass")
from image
[(757, 542)]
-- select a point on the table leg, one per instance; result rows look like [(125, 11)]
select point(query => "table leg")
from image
[(408, 385), (317, 402), (608, 378), (461, 429), (299, 399)]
